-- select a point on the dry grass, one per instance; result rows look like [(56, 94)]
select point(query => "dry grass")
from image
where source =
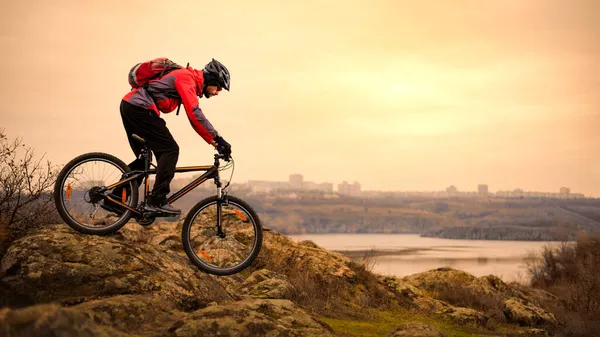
[(324, 293), (571, 272), (459, 295)]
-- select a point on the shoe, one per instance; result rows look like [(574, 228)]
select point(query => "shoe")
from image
[(164, 209)]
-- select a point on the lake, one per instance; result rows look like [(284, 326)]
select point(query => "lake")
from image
[(405, 254)]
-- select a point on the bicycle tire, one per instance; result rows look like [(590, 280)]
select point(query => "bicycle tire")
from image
[(61, 207), (186, 237)]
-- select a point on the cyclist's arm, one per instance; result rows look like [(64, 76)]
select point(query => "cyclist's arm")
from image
[(186, 87)]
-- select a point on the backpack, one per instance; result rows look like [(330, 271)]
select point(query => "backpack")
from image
[(142, 73)]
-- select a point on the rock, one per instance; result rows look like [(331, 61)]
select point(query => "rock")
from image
[(421, 301), (436, 280), (466, 316), (465, 290), (50, 320), (251, 318), (167, 240), (136, 314), (527, 314), (143, 315), (401, 287), (417, 329), (62, 265), (281, 251), (267, 284), (308, 243), (427, 280), (494, 283)]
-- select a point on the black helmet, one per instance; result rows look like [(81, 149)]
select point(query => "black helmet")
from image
[(215, 73)]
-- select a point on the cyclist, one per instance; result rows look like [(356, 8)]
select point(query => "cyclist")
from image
[(140, 111)]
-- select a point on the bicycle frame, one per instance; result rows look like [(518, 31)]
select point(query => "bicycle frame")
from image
[(212, 172)]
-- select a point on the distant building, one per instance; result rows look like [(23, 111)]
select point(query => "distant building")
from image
[(296, 181), (322, 187), (451, 190), (349, 189), (564, 190), (482, 190), (265, 186), (326, 187)]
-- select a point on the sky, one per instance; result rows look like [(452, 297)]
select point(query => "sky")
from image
[(394, 94)]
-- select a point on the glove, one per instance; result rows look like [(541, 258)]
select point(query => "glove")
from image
[(223, 147)]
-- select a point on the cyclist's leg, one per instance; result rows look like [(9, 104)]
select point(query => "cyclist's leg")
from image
[(167, 153), (130, 114), (153, 129)]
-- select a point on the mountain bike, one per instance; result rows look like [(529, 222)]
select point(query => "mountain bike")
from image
[(97, 193)]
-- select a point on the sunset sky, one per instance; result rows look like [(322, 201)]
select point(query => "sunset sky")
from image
[(397, 95)]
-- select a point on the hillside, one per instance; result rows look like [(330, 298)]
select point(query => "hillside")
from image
[(139, 282)]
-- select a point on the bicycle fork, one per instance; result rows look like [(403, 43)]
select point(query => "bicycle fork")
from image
[(220, 201)]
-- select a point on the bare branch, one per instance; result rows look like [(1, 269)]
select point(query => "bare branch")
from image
[(25, 189)]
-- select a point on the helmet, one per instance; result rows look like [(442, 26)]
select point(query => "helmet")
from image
[(215, 73)]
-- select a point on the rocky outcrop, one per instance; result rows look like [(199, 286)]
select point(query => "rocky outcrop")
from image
[(305, 256), (441, 279), (485, 292), (250, 318), (130, 316), (139, 282), (49, 320), (63, 266), (420, 300)]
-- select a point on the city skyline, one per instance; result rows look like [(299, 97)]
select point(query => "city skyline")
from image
[(296, 181)]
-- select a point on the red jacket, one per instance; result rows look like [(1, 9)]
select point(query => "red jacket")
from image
[(185, 83)]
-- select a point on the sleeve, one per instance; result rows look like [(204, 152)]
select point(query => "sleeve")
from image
[(186, 87)]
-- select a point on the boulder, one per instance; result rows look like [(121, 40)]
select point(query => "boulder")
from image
[(440, 279), (527, 314), (267, 284), (465, 316), (402, 287)]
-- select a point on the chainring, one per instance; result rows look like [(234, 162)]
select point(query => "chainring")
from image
[(145, 220)]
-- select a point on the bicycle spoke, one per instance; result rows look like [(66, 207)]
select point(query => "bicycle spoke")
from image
[(84, 203), (214, 250)]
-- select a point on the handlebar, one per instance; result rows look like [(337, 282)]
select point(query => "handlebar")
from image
[(221, 156)]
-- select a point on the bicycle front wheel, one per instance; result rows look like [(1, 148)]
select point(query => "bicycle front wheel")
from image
[(226, 250), (81, 190)]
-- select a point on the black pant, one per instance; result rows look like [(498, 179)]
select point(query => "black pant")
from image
[(146, 124)]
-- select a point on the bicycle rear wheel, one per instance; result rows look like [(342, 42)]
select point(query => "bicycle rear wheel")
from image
[(80, 194), (231, 250)]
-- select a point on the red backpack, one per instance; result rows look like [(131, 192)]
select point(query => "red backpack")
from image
[(143, 72)]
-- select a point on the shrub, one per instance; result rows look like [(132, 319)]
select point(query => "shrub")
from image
[(571, 272), (26, 202)]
